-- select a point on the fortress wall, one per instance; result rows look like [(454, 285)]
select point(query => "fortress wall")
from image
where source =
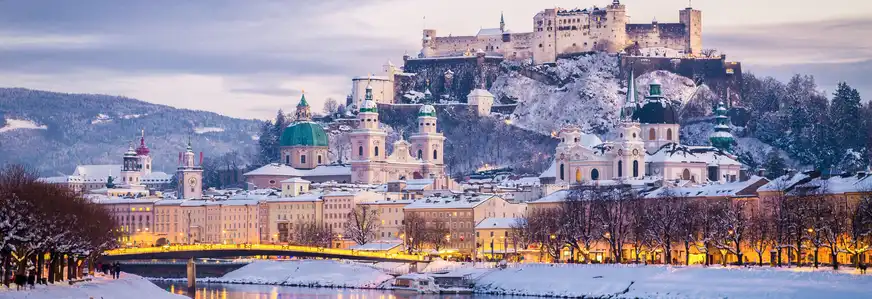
[(670, 35)]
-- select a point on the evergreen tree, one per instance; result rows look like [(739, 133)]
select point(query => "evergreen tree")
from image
[(265, 144), (846, 117), (774, 165)]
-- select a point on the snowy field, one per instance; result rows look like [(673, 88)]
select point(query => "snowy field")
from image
[(315, 273), (609, 281), (129, 287), (17, 124)]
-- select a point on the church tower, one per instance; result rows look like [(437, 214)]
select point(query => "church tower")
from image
[(368, 148), (502, 23), (190, 176), (630, 154), (142, 152), (304, 143), (721, 138), (130, 170), (427, 144)]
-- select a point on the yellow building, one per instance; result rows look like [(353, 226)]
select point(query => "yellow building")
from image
[(493, 236), (285, 213), (134, 217), (390, 213)]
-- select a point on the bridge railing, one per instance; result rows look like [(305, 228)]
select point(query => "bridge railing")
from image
[(262, 247)]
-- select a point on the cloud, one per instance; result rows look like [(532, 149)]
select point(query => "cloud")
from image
[(825, 41)]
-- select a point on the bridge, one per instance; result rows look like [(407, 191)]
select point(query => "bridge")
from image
[(237, 250)]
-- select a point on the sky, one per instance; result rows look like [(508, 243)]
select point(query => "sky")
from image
[(250, 58)]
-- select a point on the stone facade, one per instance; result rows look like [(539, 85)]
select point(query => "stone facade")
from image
[(559, 32)]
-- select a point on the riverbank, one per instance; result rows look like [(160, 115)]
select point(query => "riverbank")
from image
[(571, 280), (129, 286)]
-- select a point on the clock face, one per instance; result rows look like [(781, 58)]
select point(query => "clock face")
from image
[(620, 152), (635, 152), (192, 181)]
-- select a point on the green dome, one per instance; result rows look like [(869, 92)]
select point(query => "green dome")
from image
[(304, 134)]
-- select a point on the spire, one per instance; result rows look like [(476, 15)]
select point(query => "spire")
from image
[(368, 96), (630, 103), (142, 150), (722, 138), (502, 22), (304, 112), (190, 148)]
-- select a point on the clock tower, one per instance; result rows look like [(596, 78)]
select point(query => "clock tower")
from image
[(190, 176)]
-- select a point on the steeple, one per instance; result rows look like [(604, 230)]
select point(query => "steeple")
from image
[(502, 22), (142, 150), (630, 103), (304, 112), (721, 138), (368, 104)]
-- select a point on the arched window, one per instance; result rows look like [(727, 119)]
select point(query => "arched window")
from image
[(302, 158), (376, 151), (635, 168), (652, 134), (434, 155), (594, 174), (562, 173), (420, 154), (669, 134), (319, 159), (360, 151), (620, 169), (578, 175), (685, 175)]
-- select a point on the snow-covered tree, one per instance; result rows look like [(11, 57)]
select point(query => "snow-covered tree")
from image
[(363, 223)]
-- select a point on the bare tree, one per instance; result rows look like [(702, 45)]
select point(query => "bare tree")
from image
[(414, 231), (577, 228), (733, 227), (638, 227), (331, 106), (687, 228), (363, 222), (437, 235), (612, 212), (760, 232), (858, 233), (663, 216), (709, 52), (309, 233)]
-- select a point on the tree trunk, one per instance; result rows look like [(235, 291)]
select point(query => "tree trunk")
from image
[(7, 263), (739, 254), (40, 263), (687, 253), (778, 254), (51, 267), (835, 259), (760, 258), (816, 250)]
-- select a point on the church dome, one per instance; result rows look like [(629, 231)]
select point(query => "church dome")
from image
[(304, 134), (656, 112), (368, 106), (427, 110)]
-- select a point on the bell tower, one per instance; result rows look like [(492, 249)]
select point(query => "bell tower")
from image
[(190, 175), (130, 170), (428, 144), (368, 141)]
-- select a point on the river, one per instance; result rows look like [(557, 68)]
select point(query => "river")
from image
[(248, 291)]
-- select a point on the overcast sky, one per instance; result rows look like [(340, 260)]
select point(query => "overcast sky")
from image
[(249, 58)]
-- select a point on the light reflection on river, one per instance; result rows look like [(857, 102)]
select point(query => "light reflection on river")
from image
[(244, 291)]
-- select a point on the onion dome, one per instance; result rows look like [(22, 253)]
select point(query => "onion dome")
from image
[(130, 152), (657, 109), (368, 104), (304, 112), (142, 150), (427, 110), (721, 138)]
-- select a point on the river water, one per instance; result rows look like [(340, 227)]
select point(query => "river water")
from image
[(245, 291)]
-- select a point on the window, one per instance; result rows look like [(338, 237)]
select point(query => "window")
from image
[(319, 159), (635, 168), (434, 155), (360, 151), (594, 174), (376, 151), (620, 169), (669, 134), (288, 159), (578, 175), (685, 175), (651, 134), (562, 176), (303, 159)]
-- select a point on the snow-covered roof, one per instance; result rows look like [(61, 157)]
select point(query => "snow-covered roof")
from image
[(277, 169), (387, 202), (523, 181), (97, 173), (300, 198), (860, 182), (551, 172), (785, 182), (157, 176), (692, 154), (378, 245), (295, 180), (711, 190), (460, 202), (478, 92), (496, 223), (556, 196), (169, 202), (104, 199), (62, 179), (381, 78), (489, 31)]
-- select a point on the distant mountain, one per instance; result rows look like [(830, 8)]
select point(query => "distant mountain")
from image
[(53, 132)]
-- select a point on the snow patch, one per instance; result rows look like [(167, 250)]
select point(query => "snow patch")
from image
[(314, 273), (16, 124), (204, 130), (129, 286)]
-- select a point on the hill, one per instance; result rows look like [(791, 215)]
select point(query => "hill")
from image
[(53, 132)]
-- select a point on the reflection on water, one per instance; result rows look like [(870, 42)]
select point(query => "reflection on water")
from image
[(241, 291)]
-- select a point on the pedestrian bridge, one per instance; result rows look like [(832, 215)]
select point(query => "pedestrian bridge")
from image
[(238, 250)]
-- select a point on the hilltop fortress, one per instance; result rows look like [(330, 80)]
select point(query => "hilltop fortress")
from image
[(558, 32)]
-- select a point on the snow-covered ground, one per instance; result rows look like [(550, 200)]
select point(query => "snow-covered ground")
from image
[(671, 282), (16, 124), (204, 130), (129, 287), (316, 273)]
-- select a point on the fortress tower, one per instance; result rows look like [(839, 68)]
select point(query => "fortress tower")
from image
[(692, 20)]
